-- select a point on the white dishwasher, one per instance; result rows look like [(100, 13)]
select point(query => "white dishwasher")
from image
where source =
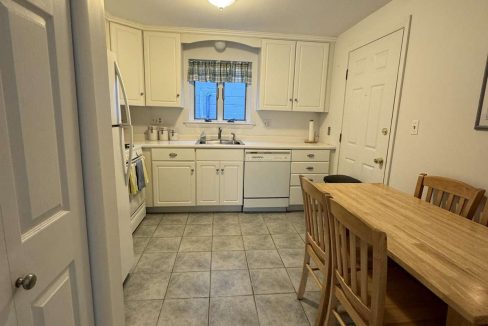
[(266, 179)]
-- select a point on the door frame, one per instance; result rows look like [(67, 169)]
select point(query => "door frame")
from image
[(91, 70), (372, 37)]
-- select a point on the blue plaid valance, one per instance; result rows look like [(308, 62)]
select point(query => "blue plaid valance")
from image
[(220, 71)]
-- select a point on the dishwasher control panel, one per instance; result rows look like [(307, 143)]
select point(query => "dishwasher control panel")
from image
[(268, 155)]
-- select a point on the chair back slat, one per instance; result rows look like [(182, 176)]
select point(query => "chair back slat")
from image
[(364, 302), (484, 215), (462, 199), (316, 215)]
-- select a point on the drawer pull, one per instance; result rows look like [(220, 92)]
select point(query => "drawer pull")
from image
[(310, 168), (311, 155), (173, 155)]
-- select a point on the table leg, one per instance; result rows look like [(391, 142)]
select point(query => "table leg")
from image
[(455, 319)]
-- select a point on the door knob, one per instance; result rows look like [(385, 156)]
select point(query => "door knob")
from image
[(27, 282), (378, 160)]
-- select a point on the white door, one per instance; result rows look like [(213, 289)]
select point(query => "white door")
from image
[(126, 43), (310, 76), (41, 193), (162, 52), (231, 183), (368, 108), (277, 70), (208, 182), (174, 183)]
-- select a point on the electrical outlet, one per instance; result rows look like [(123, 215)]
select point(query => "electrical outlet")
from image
[(267, 123), (414, 127)]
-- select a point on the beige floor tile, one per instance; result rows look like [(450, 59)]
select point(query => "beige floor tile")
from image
[(184, 312), (268, 281), (192, 262), (230, 283), (189, 285), (228, 260), (227, 242), (239, 311)]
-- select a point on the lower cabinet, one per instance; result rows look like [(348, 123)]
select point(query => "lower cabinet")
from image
[(173, 183), (219, 183)]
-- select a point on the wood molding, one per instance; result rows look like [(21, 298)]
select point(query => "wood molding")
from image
[(222, 32)]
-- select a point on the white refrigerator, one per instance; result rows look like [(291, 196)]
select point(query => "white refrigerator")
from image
[(121, 167)]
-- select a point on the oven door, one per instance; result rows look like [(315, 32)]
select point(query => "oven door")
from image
[(267, 179)]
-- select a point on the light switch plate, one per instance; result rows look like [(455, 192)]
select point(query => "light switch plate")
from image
[(414, 127)]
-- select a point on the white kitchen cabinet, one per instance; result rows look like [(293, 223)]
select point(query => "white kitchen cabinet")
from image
[(231, 183), (277, 70), (162, 59), (208, 183), (126, 43), (174, 183), (220, 175), (293, 76), (310, 76)]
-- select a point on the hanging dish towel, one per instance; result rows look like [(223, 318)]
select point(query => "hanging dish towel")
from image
[(133, 189), (141, 179), (146, 176)]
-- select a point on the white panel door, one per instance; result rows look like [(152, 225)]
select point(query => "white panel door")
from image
[(41, 193), (231, 183), (162, 52), (277, 70), (174, 183), (208, 185), (310, 76), (368, 110), (126, 43)]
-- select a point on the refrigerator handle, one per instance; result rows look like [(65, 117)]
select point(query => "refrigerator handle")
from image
[(128, 124)]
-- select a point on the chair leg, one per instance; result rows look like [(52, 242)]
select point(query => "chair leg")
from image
[(323, 305), (303, 281), (330, 318)]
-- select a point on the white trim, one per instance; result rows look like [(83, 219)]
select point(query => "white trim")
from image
[(197, 123), (222, 32)]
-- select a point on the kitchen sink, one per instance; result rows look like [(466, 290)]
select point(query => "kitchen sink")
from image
[(219, 142)]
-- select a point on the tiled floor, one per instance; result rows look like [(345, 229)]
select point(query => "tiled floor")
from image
[(219, 269)]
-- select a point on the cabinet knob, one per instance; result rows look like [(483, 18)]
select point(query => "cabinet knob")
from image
[(378, 160), (177, 95), (217, 170), (27, 282), (291, 100), (142, 93), (222, 171), (296, 100), (173, 155), (311, 155), (192, 171)]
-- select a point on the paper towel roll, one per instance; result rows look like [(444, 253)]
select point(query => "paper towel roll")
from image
[(311, 131)]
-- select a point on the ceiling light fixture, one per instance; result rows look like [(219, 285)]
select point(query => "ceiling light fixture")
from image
[(221, 4)]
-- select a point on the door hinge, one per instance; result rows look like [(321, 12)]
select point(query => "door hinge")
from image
[(340, 137), (347, 73)]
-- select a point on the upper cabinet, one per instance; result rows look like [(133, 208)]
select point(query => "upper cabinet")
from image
[(277, 69), (126, 43), (162, 58), (293, 76)]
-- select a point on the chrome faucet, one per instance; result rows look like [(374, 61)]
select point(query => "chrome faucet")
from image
[(220, 134)]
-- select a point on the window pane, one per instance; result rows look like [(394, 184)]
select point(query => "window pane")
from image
[(235, 101), (205, 100)]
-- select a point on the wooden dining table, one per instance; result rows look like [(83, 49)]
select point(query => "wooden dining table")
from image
[(447, 253)]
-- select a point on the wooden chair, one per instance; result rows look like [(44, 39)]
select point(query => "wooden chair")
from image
[(484, 215), (372, 290), (317, 244), (455, 196)]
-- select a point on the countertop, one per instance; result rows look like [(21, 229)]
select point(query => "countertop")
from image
[(247, 145)]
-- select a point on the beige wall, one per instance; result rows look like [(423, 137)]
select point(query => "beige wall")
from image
[(282, 124), (446, 58)]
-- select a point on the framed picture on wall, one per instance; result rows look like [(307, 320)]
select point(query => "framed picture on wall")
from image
[(482, 116)]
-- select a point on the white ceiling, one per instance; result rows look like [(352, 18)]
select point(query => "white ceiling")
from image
[(314, 17)]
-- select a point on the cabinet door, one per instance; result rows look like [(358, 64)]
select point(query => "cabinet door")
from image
[(126, 43), (310, 76), (174, 183), (231, 183), (208, 175), (162, 52), (277, 69)]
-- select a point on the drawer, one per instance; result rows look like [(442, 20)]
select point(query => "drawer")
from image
[(296, 197), (309, 167), (220, 155), (295, 178), (173, 154), (310, 155)]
